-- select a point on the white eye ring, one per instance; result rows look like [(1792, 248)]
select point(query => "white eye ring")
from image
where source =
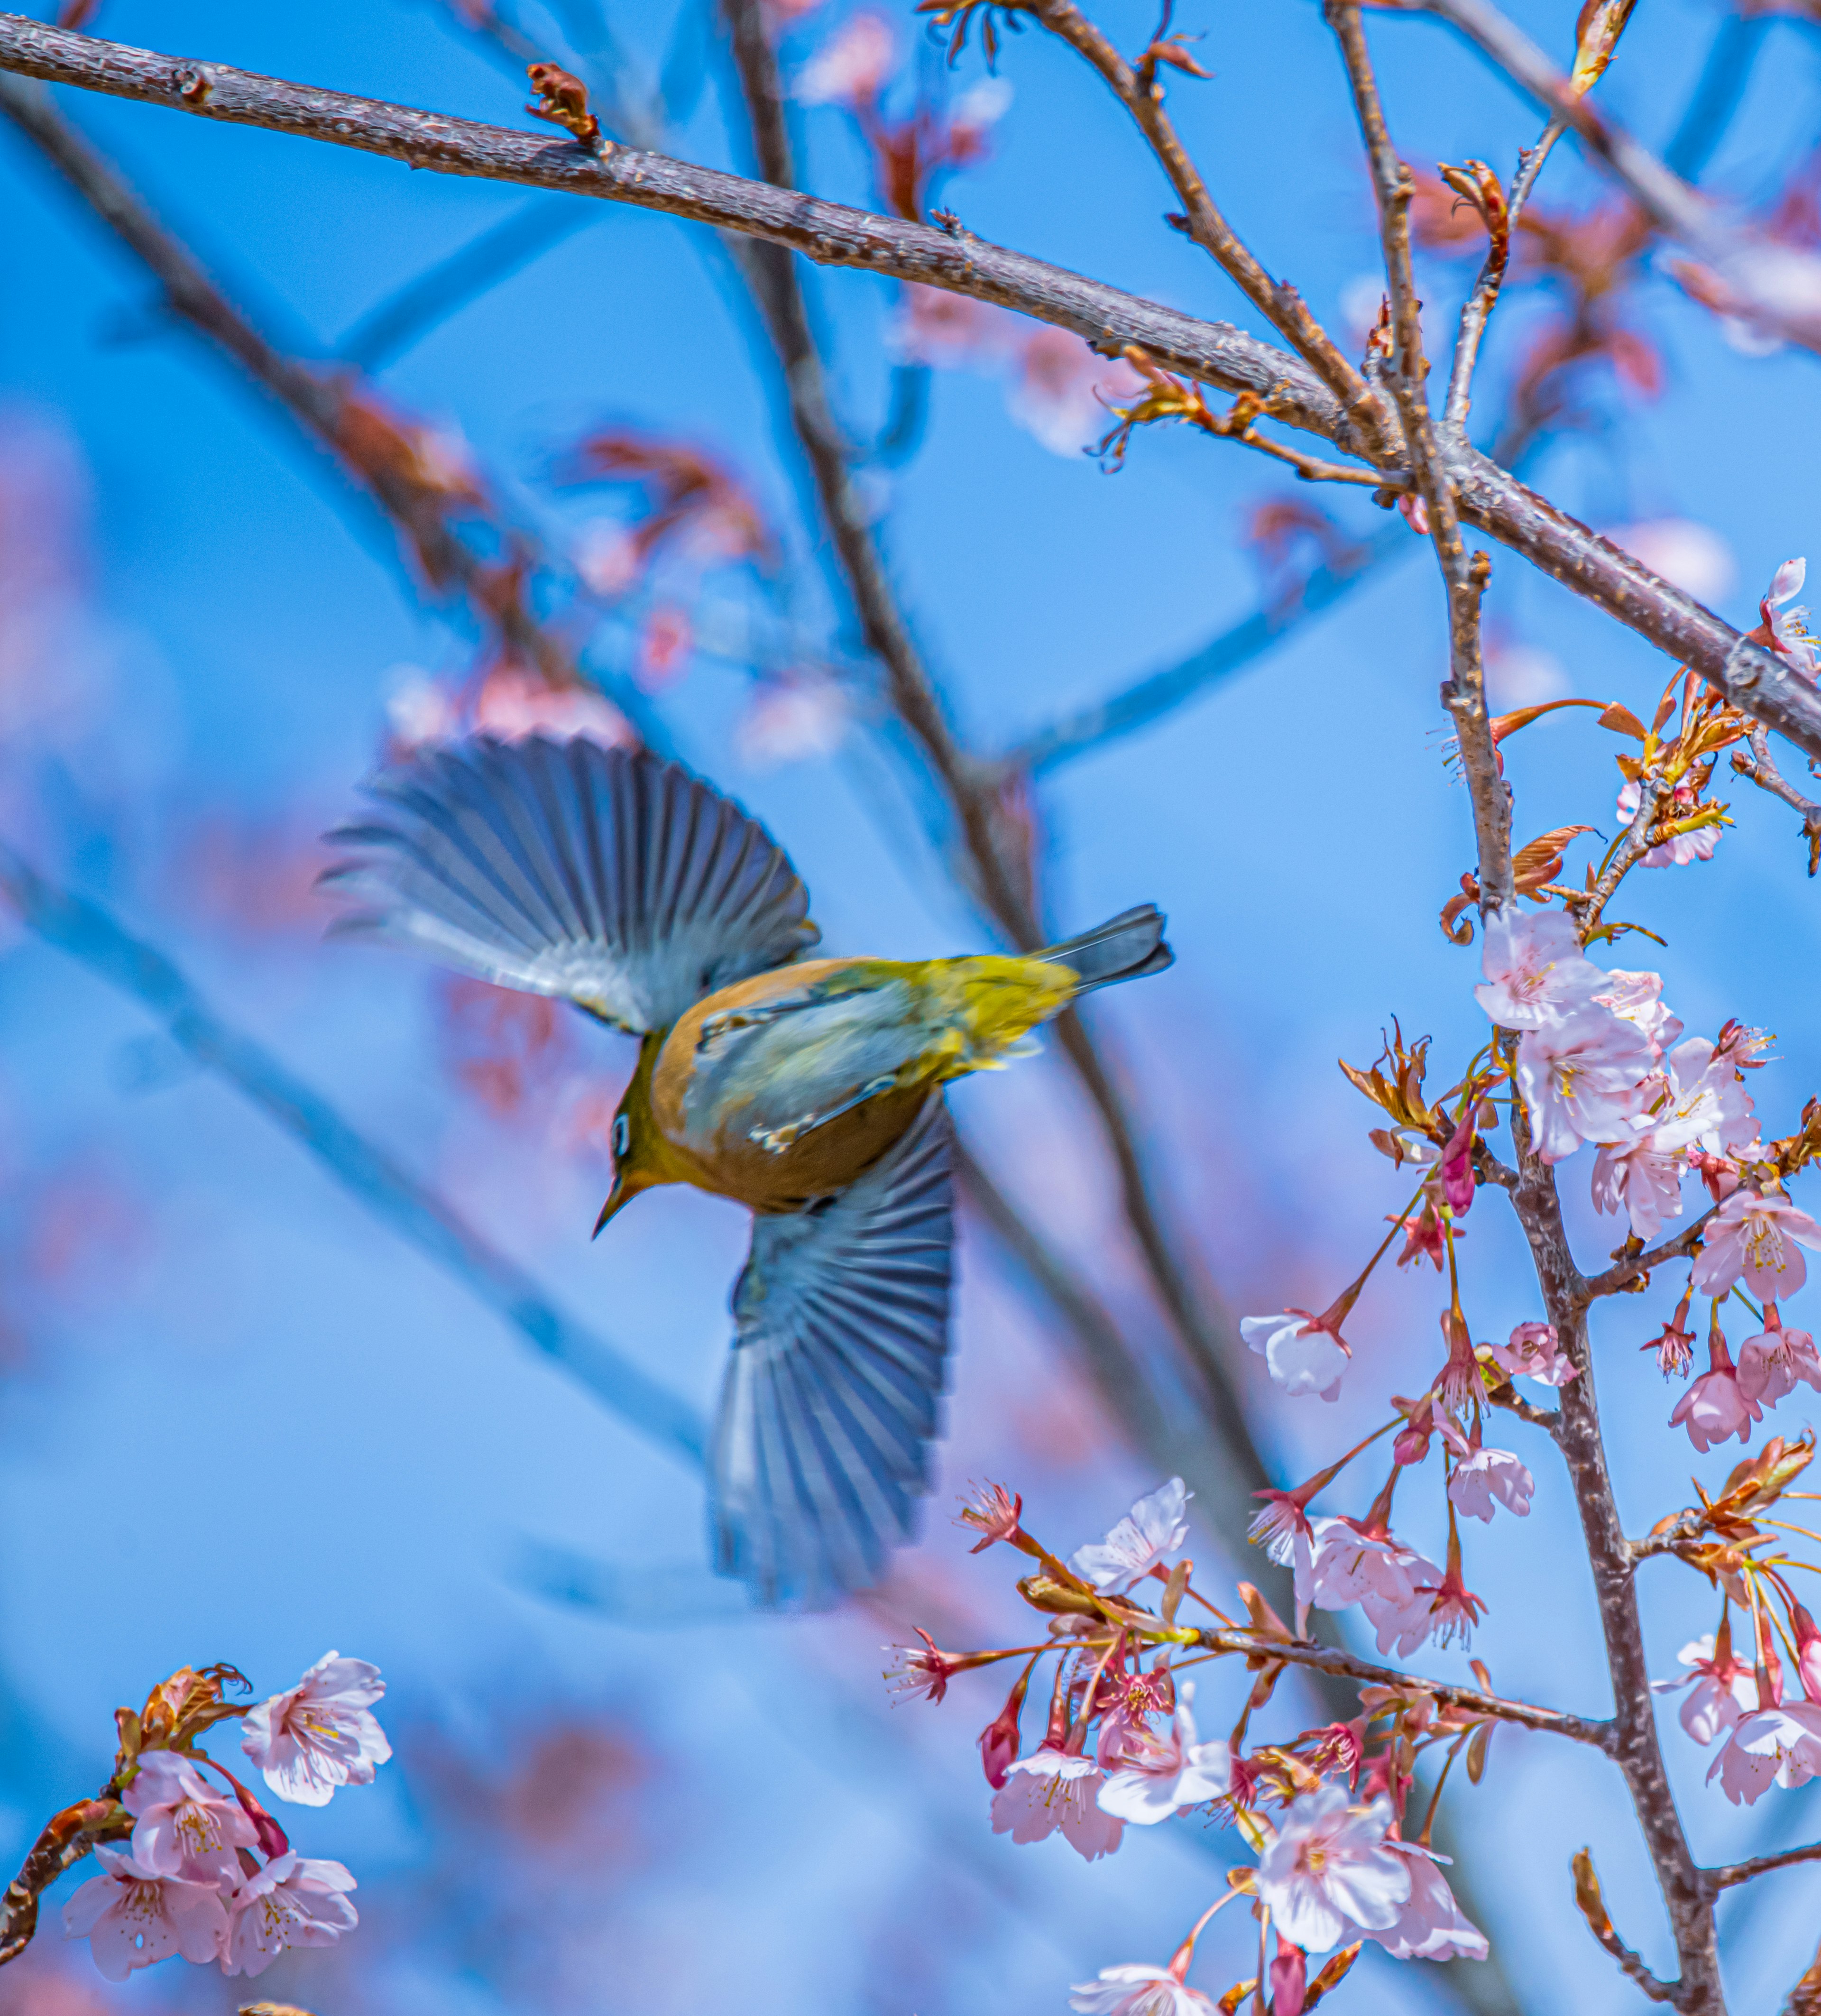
[(622, 1135)]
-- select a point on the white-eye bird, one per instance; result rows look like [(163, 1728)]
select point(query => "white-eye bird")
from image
[(810, 1090)]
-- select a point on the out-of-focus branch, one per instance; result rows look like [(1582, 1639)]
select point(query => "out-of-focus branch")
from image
[(1754, 678), (994, 840), (87, 932), (390, 461), (1407, 373), (1148, 700), (1721, 84), (1143, 99)]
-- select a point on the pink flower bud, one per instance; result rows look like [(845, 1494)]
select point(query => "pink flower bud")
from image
[(1288, 1979), (998, 1740)]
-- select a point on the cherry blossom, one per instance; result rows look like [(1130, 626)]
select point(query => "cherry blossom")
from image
[(1680, 848), (1637, 998), (1283, 1529), (998, 1740), (952, 332), (1354, 1564), (1063, 392), (290, 1902), (1640, 1179), (1535, 968), (1301, 1356), (1432, 1925), (1772, 1362), (1534, 1352), (1157, 1776), (1720, 1688), (133, 1918), (852, 66), (321, 1734), (516, 701), (795, 719), (1330, 1874), (1582, 1076), (1807, 1652), (1789, 627), (925, 1670), (1155, 1528), (1751, 1234), (1778, 1744), (1052, 1789), (1714, 1407), (1674, 1344), (1138, 1991), (183, 1826), (994, 1513), (1453, 1609), (1483, 1477)]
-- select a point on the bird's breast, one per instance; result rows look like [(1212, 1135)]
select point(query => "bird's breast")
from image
[(788, 1085)]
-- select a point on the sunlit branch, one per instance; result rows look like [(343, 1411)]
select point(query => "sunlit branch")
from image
[(1147, 700), (1761, 769), (1762, 1865), (1298, 1652), (1143, 99), (832, 234), (1464, 576), (1625, 1272), (87, 932)]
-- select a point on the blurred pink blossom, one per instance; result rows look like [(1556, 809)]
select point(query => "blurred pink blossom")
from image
[(952, 332), (1687, 554), (796, 720), (1064, 392), (516, 702), (132, 1918), (320, 1734), (290, 1902), (665, 640), (853, 67)]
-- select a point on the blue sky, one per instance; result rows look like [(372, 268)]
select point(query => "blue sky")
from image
[(247, 1423)]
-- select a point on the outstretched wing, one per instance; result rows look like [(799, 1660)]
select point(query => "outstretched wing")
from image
[(564, 868), (834, 1389)]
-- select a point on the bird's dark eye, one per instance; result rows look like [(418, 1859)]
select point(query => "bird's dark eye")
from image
[(622, 1136)]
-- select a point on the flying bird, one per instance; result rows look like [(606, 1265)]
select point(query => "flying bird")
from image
[(809, 1090)]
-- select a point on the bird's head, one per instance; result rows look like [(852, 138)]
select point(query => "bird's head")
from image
[(638, 1159)]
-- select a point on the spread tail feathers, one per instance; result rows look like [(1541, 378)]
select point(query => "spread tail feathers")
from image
[(1126, 947)]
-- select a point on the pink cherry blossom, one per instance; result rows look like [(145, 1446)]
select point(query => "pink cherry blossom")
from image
[(1300, 1355), (1138, 1991), (1709, 1107), (1154, 1528), (1534, 1352), (1453, 1610), (1714, 1407), (1756, 1236), (1283, 1529), (1680, 848), (132, 1918), (1640, 1179), (799, 718), (1483, 1477), (1432, 1925), (1637, 998), (1050, 1789), (1779, 1745), (1157, 1776), (1582, 1075), (1789, 627), (1771, 1363), (516, 702), (1535, 968), (183, 1826), (290, 1902), (321, 1734), (1720, 1688), (952, 332), (1330, 1874), (1385, 1578), (852, 66)]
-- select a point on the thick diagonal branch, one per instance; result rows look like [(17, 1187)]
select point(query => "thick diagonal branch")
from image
[(832, 234)]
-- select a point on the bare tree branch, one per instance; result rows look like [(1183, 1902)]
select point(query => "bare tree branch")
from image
[(1762, 1865), (1488, 497)]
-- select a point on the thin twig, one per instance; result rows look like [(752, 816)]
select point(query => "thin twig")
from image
[(1477, 309), (1632, 847), (1464, 576), (1762, 1865), (1489, 498), (1624, 1273), (1323, 1658), (1762, 771)]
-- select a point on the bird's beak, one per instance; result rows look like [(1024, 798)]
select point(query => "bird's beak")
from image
[(626, 1186)]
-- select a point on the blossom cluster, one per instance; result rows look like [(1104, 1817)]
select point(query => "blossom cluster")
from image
[(207, 1871), (1324, 1813)]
